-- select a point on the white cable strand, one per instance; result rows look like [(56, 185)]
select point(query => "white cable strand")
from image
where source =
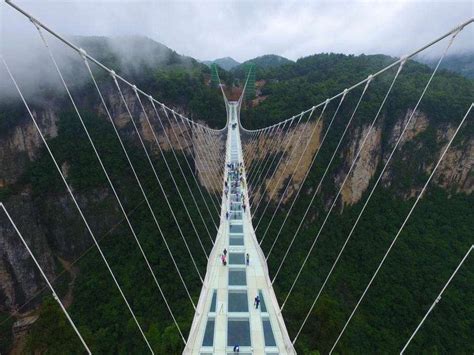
[(208, 159), (321, 181), (345, 179), (271, 156), (158, 117), (267, 169), (270, 142), (183, 148), (370, 195), (174, 181), (99, 159), (55, 295), (146, 200), (77, 205), (289, 143), (216, 159), (438, 298), (98, 63), (249, 146), (92, 59), (112, 186), (295, 170), (457, 29), (294, 149), (401, 228), (260, 155), (308, 170), (157, 177)]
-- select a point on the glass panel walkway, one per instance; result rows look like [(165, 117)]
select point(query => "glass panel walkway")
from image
[(226, 314)]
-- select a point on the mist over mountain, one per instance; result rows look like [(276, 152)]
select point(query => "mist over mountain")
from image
[(433, 242), (462, 63)]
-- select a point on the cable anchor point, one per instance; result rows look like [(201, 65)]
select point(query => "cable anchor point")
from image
[(83, 53), (403, 59)]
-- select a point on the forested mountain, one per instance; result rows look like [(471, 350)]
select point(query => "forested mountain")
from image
[(268, 61), (226, 63), (458, 63), (432, 244), (262, 65)]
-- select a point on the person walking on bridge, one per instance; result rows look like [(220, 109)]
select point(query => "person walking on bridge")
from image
[(257, 301)]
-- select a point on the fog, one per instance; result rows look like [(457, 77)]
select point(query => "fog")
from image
[(239, 29)]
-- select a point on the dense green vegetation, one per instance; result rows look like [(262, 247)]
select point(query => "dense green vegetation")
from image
[(462, 63), (438, 234), (96, 301), (293, 88), (98, 308), (263, 64), (435, 239)]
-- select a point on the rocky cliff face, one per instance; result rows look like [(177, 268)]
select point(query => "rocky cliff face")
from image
[(55, 232), (454, 173)]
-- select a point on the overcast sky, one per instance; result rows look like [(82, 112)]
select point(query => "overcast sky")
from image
[(246, 29)]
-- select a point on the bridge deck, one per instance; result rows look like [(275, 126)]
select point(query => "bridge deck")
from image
[(226, 315)]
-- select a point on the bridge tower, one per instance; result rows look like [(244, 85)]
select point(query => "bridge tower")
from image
[(250, 84)]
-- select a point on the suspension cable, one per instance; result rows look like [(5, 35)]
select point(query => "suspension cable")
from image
[(294, 150), (181, 147), (269, 146), (269, 161), (438, 298), (55, 295), (280, 201), (209, 158), (174, 180), (158, 117), (300, 188), (157, 177), (345, 179), (144, 196), (253, 170), (288, 144), (401, 228), (321, 180), (86, 223), (378, 180)]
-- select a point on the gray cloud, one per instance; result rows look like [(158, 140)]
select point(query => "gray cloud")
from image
[(240, 29), (245, 29)]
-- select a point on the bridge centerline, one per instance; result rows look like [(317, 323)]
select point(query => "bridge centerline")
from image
[(226, 315)]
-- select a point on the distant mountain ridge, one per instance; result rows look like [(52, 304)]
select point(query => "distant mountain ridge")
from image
[(226, 63), (268, 61), (462, 63)]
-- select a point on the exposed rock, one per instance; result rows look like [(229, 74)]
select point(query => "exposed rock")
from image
[(364, 168), (19, 277), (24, 143), (301, 149), (455, 170), (418, 124)]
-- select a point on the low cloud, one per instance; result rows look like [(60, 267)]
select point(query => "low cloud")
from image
[(240, 29)]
